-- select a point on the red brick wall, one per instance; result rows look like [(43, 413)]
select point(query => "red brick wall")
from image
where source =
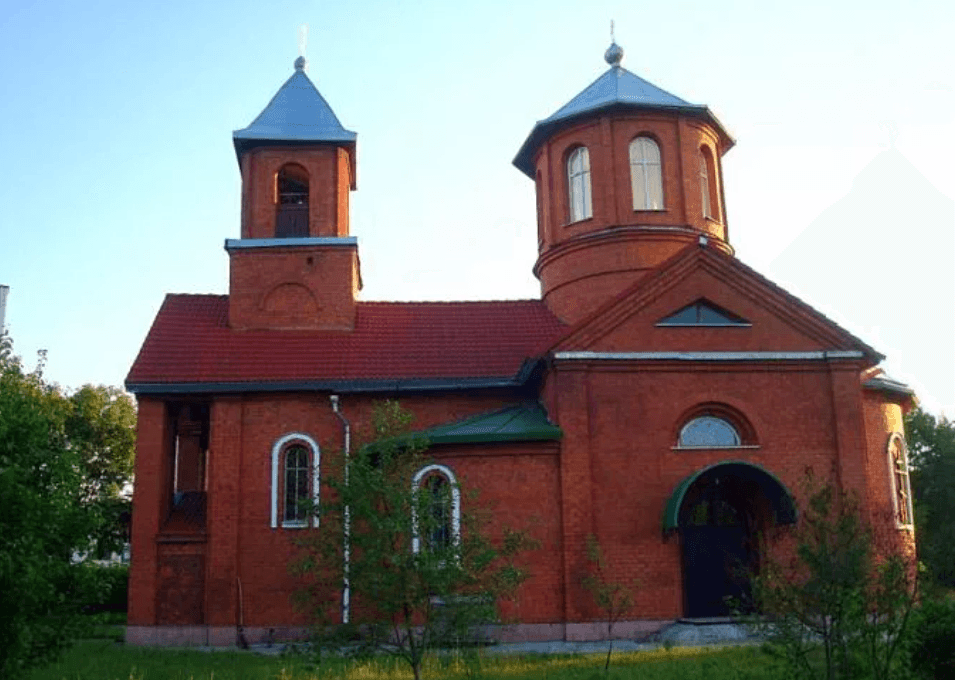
[(610, 476), (151, 504), (329, 174), (519, 480), (621, 468), (300, 287), (883, 417)]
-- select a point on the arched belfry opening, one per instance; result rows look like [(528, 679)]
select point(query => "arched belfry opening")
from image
[(291, 201), (721, 514)]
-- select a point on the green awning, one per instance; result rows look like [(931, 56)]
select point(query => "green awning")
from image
[(526, 422), (784, 508)]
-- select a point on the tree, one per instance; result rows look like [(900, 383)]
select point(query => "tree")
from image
[(931, 448), (6, 346), (614, 597), (100, 428), (41, 522), (416, 581), (834, 596)]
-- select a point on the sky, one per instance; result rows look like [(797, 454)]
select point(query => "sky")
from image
[(119, 183)]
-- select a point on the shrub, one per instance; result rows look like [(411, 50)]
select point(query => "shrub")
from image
[(932, 650), (834, 600), (108, 588)]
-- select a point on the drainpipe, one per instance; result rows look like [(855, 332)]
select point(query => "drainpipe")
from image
[(346, 583)]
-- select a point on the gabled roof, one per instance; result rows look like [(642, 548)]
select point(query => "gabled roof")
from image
[(616, 88), (394, 346), (733, 274), (297, 113)]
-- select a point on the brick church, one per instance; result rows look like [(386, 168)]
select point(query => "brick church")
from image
[(660, 395)]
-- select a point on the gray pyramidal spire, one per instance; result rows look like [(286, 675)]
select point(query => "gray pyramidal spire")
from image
[(297, 114)]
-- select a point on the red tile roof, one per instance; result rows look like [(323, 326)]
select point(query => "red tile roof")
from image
[(191, 343)]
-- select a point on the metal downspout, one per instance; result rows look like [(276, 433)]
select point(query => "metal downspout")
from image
[(346, 582)]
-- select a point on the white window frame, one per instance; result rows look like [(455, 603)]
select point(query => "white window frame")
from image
[(278, 468), (645, 156), (705, 186), (580, 204), (896, 437), (419, 477)]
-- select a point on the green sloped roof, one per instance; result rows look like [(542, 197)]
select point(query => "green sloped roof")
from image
[(520, 423), (784, 508)]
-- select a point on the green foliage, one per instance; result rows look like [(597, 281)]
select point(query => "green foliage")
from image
[(931, 446), (613, 596), (833, 612), (100, 427), (6, 346), (403, 601), (932, 651), (108, 589), (41, 523), (65, 463)]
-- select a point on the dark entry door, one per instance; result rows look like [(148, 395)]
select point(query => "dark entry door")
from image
[(715, 569)]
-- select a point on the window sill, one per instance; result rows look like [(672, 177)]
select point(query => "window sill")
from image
[(741, 447), (649, 210), (298, 524)]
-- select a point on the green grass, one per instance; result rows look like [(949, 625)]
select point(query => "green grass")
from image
[(106, 660), (107, 626)]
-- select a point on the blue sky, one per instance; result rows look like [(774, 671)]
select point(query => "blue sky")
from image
[(119, 182)]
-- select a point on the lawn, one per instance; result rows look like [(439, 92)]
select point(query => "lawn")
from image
[(107, 660)]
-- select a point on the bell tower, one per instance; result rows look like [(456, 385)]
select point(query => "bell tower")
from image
[(626, 175), (295, 265)]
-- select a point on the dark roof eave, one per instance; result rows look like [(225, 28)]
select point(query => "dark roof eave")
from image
[(349, 140), (338, 386), (524, 160), (889, 386)]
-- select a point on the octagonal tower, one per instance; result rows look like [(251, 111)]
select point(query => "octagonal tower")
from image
[(626, 175)]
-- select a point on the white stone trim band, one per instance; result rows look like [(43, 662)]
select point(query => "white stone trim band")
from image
[(708, 356)]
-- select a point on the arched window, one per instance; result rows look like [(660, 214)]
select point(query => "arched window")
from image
[(295, 480), (708, 193), (539, 187), (646, 174), (436, 495), (708, 431), (291, 201), (901, 486), (578, 184)]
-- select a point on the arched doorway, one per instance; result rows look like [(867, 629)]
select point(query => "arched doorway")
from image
[(720, 514)]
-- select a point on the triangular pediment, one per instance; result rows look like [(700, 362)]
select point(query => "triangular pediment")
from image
[(703, 300)]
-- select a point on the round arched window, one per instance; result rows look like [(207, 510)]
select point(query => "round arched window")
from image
[(708, 432)]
